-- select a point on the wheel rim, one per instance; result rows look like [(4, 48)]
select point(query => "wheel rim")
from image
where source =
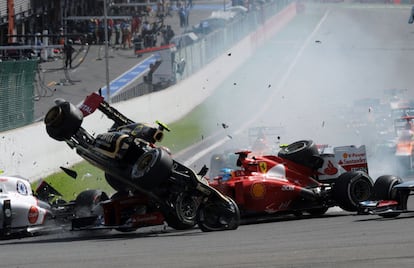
[(145, 161), (52, 117), (186, 208), (361, 190)]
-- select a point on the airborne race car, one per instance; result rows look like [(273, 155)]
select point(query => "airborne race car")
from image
[(151, 186), (300, 179)]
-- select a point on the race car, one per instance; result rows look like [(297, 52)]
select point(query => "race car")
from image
[(25, 212), (302, 178), (404, 129), (20, 211), (151, 187), (390, 197)]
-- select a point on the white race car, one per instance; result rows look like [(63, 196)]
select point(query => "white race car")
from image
[(20, 211)]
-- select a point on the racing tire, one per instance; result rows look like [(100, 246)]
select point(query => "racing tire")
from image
[(174, 222), (351, 188), (383, 187), (303, 152), (210, 216), (152, 168), (185, 215), (63, 121), (87, 203), (383, 190)]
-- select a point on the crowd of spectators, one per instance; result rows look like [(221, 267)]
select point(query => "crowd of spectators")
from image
[(145, 29)]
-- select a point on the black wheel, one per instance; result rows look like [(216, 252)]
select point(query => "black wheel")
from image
[(185, 213), (87, 203), (317, 211), (383, 190), (303, 152), (63, 121), (214, 216), (383, 187), (351, 188), (152, 168)]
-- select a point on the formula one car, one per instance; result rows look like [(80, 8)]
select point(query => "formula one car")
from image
[(404, 129), (20, 211), (151, 186), (390, 197), (302, 178)]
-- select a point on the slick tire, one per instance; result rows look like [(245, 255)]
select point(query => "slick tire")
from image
[(351, 188), (174, 222), (87, 203), (303, 152), (152, 168), (383, 187), (383, 190), (212, 216), (63, 121)]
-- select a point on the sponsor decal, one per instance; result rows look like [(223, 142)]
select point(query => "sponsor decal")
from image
[(351, 156), (90, 104), (33, 215), (285, 205), (330, 169), (21, 188), (258, 190), (263, 167), (288, 188)]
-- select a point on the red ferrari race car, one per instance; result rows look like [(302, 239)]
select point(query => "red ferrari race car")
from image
[(302, 178)]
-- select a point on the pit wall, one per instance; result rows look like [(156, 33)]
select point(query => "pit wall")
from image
[(31, 153)]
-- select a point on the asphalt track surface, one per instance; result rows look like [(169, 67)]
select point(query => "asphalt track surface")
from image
[(327, 56)]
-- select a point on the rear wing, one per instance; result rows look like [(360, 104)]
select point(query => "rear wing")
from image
[(337, 160), (352, 158)]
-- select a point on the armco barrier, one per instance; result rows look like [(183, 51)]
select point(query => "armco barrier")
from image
[(30, 152)]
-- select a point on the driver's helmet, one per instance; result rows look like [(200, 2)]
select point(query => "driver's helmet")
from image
[(225, 173)]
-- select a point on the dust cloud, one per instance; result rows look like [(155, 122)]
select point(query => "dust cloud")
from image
[(326, 81)]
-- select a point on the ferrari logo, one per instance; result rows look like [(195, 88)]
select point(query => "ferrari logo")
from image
[(263, 167)]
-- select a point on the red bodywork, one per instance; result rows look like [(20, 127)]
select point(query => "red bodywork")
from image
[(126, 211), (268, 184), (405, 136)]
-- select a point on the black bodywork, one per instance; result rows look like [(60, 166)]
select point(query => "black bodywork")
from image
[(139, 170)]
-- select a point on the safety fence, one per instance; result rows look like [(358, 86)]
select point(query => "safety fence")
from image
[(16, 93)]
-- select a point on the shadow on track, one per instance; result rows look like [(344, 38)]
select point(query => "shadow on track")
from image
[(97, 235)]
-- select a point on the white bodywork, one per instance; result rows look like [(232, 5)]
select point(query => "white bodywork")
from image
[(26, 210), (339, 159)]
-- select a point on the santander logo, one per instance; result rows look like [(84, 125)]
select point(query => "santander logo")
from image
[(330, 169)]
